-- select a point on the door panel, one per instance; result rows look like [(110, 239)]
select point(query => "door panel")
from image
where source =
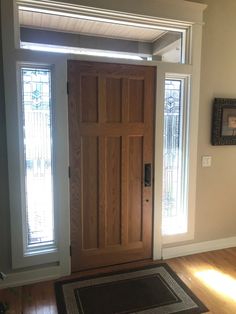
[(136, 100), (89, 99), (111, 112), (113, 100), (89, 170), (113, 190)]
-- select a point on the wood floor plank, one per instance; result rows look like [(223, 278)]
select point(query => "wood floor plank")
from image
[(219, 266)]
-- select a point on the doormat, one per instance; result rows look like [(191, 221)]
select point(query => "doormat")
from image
[(148, 290)]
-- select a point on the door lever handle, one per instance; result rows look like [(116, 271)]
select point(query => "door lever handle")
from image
[(147, 175)]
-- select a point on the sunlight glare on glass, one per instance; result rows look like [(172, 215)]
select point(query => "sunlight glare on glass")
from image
[(219, 282), (80, 51)]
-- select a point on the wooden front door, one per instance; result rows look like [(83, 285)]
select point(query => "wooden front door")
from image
[(111, 115)]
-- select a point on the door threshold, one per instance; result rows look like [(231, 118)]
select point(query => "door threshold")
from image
[(113, 268)]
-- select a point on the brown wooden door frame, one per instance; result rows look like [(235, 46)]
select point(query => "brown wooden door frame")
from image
[(111, 114)]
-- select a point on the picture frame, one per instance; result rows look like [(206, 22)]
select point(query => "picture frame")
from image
[(224, 122)]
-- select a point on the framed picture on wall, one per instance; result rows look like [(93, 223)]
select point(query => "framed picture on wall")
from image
[(224, 122)]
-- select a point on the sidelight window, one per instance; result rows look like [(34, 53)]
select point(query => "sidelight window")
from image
[(36, 126), (174, 214)]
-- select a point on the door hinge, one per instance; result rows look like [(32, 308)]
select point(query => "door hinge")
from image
[(67, 87), (69, 172), (70, 251)]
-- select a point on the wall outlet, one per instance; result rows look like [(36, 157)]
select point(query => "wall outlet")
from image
[(206, 161)]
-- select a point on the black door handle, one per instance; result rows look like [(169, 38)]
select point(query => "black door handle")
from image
[(147, 175)]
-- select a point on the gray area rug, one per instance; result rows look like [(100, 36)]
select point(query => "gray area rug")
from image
[(149, 290)]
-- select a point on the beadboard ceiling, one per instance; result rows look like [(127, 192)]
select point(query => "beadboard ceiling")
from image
[(53, 21)]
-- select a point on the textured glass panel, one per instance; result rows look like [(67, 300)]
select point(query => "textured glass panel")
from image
[(37, 124), (173, 204)]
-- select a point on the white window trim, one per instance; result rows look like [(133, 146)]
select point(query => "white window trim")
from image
[(21, 258), (186, 163), (11, 54), (37, 249), (13, 57), (184, 71)]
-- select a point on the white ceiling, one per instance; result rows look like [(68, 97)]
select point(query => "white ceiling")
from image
[(87, 27)]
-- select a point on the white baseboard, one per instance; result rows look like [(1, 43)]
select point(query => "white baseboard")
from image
[(200, 247), (31, 276)]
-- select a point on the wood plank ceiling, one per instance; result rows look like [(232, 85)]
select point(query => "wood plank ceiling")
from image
[(56, 22)]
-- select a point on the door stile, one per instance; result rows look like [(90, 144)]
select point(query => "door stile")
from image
[(148, 154)]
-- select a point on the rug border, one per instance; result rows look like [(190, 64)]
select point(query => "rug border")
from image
[(61, 306)]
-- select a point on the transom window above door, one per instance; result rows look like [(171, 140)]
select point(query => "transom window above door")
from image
[(87, 34)]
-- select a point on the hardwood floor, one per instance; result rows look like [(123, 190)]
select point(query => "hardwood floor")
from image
[(211, 276)]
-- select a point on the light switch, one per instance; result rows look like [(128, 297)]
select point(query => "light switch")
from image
[(206, 161)]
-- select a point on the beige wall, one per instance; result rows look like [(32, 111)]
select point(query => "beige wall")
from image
[(216, 188)]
